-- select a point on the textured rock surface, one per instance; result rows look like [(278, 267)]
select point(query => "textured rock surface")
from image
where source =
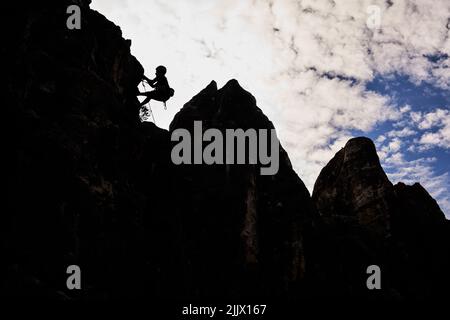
[(88, 184), (422, 235), (353, 186), (367, 220), (242, 229), (84, 178)]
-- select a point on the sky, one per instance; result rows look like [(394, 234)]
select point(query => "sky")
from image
[(323, 71)]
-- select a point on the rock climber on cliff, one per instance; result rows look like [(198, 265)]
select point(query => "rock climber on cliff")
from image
[(162, 91)]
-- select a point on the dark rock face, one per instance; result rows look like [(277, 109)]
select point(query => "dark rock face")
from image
[(89, 184), (353, 186), (242, 230), (367, 220), (422, 234), (84, 178)]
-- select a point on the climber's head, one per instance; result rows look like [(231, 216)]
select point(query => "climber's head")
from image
[(161, 70)]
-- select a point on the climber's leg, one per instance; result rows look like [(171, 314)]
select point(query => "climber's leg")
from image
[(153, 95), (150, 95), (159, 96), (146, 100)]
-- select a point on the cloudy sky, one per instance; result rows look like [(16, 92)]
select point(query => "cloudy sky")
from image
[(323, 71)]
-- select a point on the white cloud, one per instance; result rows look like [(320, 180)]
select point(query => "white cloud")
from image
[(416, 116), (411, 31), (437, 126), (306, 62), (392, 147), (405, 132), (432, 119), (380, 139), (406, 108)]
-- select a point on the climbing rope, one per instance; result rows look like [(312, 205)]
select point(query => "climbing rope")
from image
[(149, 106)]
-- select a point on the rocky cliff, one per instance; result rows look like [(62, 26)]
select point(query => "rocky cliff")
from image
[(367, 220), (242, 229), (89, 184), (85, 180)]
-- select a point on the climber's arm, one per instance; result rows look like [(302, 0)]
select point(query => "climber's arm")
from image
[(149, 81)]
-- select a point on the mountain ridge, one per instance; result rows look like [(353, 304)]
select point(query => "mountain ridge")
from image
[(89, 184)]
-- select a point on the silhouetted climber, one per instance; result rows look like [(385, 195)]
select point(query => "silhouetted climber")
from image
[(162, 90)]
